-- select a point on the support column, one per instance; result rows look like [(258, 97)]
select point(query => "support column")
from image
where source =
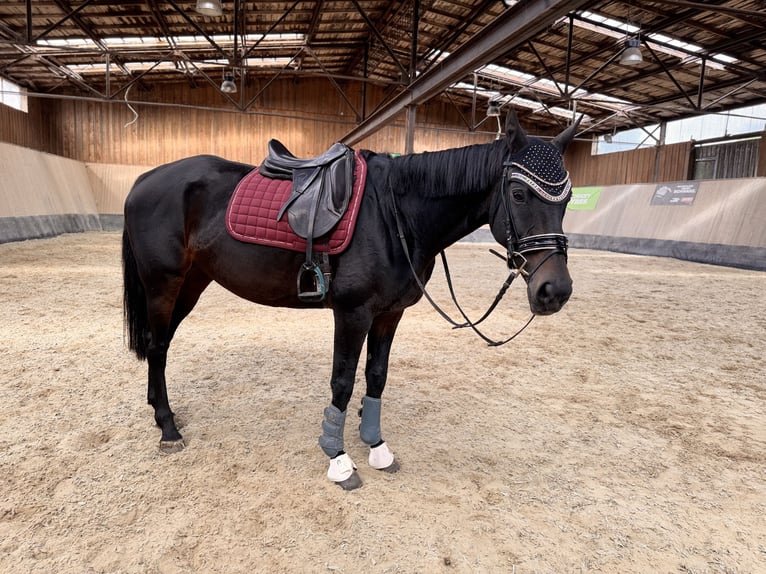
[(409, 141)]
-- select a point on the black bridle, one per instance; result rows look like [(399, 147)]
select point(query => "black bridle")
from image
[(516, 246)]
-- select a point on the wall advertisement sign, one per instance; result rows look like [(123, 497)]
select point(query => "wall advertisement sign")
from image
[(584, 198), (675, 193)]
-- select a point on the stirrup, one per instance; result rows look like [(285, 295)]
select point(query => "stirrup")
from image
[(316, 282)]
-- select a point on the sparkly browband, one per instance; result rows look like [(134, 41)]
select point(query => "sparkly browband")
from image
[(560, 190), (539, 166)]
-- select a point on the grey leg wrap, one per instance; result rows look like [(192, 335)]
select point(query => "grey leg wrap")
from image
[(331, 439), (369, 430)]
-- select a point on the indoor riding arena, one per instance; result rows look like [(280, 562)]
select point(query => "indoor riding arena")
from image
[(622, 431)]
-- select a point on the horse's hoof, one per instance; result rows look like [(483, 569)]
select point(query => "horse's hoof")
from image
[(391, 468), (351, 483), (342, 472), (381, 458), (172, 446)]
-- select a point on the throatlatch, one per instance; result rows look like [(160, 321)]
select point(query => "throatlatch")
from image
[(333, 424)]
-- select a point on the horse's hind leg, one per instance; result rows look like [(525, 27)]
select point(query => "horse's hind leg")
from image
[(379, 342), (166, 311)]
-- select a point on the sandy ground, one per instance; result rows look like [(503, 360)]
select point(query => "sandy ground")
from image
[(625, 434)]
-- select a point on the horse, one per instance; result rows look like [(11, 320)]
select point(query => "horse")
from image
[(414, 206)]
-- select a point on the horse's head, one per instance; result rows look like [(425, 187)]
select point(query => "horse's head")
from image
[(527, 213)]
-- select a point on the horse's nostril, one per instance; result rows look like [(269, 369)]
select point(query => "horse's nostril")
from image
[(545, 293), (548, 293)]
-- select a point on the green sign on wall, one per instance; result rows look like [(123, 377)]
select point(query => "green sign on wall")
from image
[(584, 198)]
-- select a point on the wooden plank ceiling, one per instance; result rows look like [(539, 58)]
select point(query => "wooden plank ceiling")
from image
[(698, 56)]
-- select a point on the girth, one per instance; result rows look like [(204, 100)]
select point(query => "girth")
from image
[(322, 188)]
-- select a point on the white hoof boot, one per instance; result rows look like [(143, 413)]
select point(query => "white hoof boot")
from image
[(381, 458), (341, 468)]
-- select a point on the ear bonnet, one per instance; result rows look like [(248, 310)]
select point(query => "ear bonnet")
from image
[(539, 165)]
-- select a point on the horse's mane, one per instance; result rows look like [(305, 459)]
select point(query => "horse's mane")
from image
[(458, 171)]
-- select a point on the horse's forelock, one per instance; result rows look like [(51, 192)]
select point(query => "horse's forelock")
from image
[(465, 170)]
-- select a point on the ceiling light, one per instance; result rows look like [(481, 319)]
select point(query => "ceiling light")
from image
[(209, 7), (632, 53), (493, 109), (228, 86)]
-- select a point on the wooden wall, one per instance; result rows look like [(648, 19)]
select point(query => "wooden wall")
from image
[(34, 129), (666, 163), (307, 115)]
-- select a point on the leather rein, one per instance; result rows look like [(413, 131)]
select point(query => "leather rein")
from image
[(516, 247)]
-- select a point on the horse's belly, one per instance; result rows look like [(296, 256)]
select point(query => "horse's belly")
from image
[(263, 275)]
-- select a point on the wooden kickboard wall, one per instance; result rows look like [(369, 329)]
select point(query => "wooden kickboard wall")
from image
[(724, 224)]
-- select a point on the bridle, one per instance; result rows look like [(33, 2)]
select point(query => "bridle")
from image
[(516, 246)]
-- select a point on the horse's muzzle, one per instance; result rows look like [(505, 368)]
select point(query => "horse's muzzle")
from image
[(549, 296)]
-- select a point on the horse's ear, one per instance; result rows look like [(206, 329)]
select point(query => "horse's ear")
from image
[(517, 138), (562, 140)]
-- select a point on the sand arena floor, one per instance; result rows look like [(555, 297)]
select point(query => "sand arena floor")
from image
[(625, 434)]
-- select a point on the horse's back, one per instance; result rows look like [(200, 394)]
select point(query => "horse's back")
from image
[(177, 176), (168, 195)]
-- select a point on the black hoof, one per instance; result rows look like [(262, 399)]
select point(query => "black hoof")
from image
[(391, 468), (351, 483), (172, 446)]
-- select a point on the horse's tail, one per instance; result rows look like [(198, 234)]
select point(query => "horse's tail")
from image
[(133, 300)]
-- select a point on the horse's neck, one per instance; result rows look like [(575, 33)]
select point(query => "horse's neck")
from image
[(438, 207), (443, 222)]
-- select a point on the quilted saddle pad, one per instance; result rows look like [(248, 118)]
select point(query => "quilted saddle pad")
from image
[(252, 213)]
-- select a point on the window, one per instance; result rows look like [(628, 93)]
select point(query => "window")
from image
[(742, 121), (13, 95), (724, 160)]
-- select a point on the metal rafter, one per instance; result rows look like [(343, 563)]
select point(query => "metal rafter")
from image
[(509, 30), (379, 36), (670, 81)]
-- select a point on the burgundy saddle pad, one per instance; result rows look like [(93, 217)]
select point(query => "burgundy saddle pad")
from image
[(252, 213)]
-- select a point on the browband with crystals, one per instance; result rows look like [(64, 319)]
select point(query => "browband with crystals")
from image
[(563, 187), (539, 166)]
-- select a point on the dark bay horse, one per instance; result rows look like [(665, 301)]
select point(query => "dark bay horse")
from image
[(175, 243)]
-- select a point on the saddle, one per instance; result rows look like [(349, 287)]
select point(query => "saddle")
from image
[(321, 190)]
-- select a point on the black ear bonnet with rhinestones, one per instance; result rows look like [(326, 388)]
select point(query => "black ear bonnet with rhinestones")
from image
[(539, 165)]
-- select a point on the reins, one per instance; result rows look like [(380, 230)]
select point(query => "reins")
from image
[(472, 324)]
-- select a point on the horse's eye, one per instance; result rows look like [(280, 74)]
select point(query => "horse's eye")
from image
[(518, 195)]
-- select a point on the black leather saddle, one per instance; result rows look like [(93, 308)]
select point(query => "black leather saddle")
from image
[(321, 186), (320, 195)]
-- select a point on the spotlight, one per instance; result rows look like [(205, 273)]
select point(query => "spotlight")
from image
[(228, 86), (209, 7), (493, 109), (632, 53)]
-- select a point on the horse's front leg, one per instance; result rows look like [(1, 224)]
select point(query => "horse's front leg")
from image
[(379, 342), (350, 331)]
